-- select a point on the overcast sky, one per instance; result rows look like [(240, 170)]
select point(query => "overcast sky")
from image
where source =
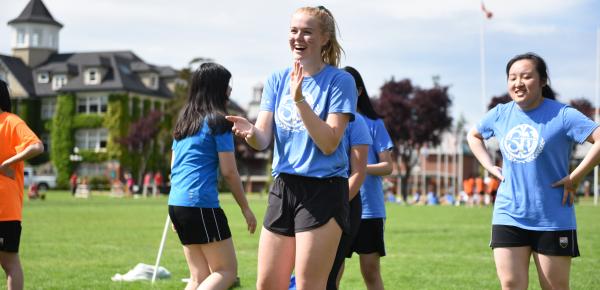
[(382, 39)]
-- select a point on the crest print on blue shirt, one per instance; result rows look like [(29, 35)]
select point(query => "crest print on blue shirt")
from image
[(288, 117), (523, 143)]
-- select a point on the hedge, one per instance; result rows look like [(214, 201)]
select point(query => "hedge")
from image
[(62, 138)]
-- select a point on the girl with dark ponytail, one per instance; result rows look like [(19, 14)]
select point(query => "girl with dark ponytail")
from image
[(533, 213)]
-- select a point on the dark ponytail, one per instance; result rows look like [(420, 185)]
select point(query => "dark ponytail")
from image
[(4, 97), (540, 67)]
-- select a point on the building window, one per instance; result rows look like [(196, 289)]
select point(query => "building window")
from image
[(92, 76), (92, 105), (58, 81), (20, 37), (43, 77), (92, 139), (154, 82), (36, 38), (48, 108)]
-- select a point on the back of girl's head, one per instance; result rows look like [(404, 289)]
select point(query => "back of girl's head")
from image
[(207, 99), (363, 105), (540, 67), (4, 97), (331, 53)]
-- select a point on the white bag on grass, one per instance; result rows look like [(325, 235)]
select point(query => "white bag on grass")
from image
[(142, 271)]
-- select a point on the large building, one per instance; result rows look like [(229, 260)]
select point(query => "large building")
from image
[(74, 92)]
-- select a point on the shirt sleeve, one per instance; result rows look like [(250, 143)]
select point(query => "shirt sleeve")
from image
[(578, 126), (224, 142), (269, 94), (359, 133), (24, 137), (382, 141), (486, 126), (343, 95)]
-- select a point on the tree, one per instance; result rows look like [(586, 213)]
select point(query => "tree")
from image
[(584, 106), (502, 99), (415, 119), (141, 138)]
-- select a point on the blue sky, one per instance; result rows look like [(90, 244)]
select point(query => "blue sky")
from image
[(382, 39)]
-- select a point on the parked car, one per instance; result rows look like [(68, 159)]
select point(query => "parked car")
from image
[(44, 182)]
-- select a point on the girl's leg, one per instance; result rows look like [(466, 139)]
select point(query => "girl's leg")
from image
[(371, 271), (315, 251), (553, 271), (12, 267), (275, 261), (512, 267), (197, 264), (222, 265)]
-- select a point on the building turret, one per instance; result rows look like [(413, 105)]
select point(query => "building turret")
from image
[(35, 34)]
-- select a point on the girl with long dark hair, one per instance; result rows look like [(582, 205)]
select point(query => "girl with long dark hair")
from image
[(203, 144), (368, 242)]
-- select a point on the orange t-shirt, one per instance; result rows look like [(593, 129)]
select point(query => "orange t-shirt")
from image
[(15, 137), (468, 185), (478, 185), (493, 185)]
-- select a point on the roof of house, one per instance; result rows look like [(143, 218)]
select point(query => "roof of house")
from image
[(120, 72), (20, 71), (36, 12)]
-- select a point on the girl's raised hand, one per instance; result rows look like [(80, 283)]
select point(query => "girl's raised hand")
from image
[(297, 76), (241, 126)]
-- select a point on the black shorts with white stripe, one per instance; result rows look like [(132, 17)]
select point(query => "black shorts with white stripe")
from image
[(196, 225)]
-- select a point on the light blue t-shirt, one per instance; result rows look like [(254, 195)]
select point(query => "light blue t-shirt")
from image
[(536, 148), (194, 171), (371, 192), (330, 91), (357, 133)]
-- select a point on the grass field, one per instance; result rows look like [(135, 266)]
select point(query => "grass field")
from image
[(81, 244)]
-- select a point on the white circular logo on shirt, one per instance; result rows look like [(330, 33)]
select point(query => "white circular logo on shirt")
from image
[(523, 143), (288, 118)]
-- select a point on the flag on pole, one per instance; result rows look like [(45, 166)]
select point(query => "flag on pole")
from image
[(488, 14)]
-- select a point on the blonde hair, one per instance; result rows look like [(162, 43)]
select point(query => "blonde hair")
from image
[(331, 52)]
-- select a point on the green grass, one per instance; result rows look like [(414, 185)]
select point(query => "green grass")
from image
[(79, 244)]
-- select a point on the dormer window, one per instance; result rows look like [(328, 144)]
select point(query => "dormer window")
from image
[(43, 77), (92, 76), (58, 81), (154, 81)]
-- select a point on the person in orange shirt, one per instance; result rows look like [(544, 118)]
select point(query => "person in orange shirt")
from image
[(478, 196), (492, 188), (18, 143), (468, 187)]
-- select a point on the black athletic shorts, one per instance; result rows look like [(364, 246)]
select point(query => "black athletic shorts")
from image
[(10, 236), (300, 203), (369, 238), (196, 225), (551, 243)]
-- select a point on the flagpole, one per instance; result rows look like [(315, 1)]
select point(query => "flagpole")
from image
[(482, 61), (597, 114)]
